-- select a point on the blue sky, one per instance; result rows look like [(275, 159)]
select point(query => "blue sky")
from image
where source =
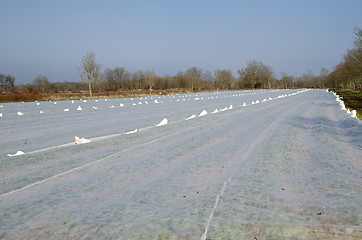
[(50, 37)]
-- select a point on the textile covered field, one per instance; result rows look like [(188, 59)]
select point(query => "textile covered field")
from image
[(286, 167)]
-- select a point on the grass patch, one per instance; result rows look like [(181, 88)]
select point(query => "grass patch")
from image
[(31, 97), (21, 97), (352, 100)]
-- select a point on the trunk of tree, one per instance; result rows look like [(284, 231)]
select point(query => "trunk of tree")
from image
[(90, 89)]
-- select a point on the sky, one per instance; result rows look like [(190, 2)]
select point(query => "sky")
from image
[(50, 37)]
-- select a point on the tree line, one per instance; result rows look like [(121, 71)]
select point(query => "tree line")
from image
[(348, 74), (256, 75)]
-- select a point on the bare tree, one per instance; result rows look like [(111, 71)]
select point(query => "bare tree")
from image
[(41, 84), (353, 61), (323, 76), (166, 82), (181, 80), (286, 81), (224, 79), (308, 78), (137, 79), (208, 80), (150, 79), (116, 77), (90, 71), (267, 76), (256, 75), (194, 76), (10, 82), (348, 74), (2, 82), (7, 83)]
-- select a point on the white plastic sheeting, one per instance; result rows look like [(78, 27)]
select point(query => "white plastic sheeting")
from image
[(81, 140), (283, 169), (18, 153), (163, 122)]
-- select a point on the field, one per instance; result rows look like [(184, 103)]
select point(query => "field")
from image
[(352, 99), (284, 165)]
